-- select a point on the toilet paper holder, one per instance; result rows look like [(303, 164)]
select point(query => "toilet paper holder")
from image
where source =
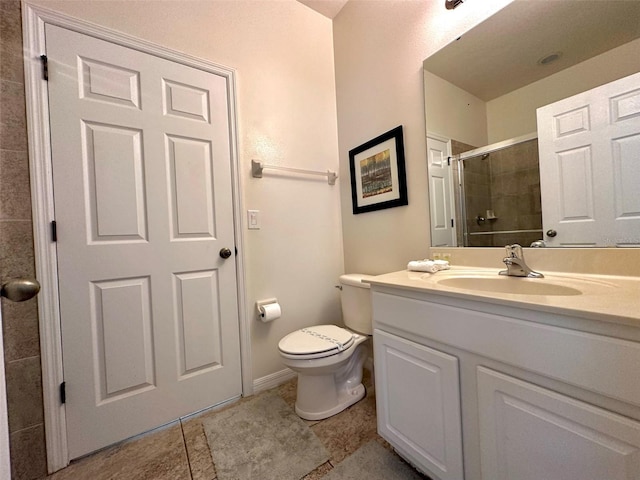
[(261, 303)]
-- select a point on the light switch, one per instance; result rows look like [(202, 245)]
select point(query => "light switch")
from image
[(253, 219)]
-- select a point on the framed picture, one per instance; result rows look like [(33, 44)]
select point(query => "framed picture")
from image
[(378, 175)]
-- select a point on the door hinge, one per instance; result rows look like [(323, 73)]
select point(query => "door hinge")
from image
[(449, 161), (452, 223), (54, 231), (45, 67), (63, 392)]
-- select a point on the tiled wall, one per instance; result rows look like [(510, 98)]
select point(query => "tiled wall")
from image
[(507, 182), (20, 320), (515, 193), (478, 199)]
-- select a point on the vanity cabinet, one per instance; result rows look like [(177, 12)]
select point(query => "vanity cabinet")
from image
[(531, 433), (479, 391), (418, 395)]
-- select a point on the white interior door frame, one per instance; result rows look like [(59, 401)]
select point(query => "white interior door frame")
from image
[(5, 464), (34, 19)]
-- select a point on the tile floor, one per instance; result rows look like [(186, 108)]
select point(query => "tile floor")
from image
[(180, 451)]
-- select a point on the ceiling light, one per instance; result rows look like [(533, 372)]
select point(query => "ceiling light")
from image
[(547, 59)]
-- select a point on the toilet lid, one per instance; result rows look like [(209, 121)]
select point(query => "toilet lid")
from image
[(328, 339)]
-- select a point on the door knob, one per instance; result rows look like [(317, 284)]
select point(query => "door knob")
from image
[(20, 289), (551, 233), (225, 252)]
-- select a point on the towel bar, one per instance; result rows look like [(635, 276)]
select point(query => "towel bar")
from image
[(257, 167)]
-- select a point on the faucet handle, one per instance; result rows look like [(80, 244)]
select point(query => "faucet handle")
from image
[(514, 251)]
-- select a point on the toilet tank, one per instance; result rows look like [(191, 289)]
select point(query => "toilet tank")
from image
[(356, 303)]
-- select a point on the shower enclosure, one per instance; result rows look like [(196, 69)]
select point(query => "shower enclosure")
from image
[(497, 191)]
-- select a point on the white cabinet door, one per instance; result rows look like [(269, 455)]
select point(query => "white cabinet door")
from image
[(418, 402), (590, 166), (441, 202), (530, 433)]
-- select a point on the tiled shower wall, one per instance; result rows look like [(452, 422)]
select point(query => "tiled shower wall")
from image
[(515, 193), (507, 182), (20, 320), (478, 199)]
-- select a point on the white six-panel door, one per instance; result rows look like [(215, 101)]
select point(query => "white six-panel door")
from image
[(590, 166), (143, 204), (441, 202)]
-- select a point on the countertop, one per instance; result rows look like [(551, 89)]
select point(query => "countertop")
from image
[(603, 297)]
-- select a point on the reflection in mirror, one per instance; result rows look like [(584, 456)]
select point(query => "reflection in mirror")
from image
[(503, 180), (481, 96)]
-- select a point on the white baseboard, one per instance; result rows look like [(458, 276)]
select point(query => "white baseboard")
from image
[(273, 380)]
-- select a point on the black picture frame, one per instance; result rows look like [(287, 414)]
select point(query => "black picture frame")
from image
[(378, 173)]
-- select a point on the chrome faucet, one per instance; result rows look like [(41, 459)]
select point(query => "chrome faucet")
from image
[(516, 266), (538, 244)]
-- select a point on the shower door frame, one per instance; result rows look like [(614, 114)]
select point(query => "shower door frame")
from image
[(494, 147)]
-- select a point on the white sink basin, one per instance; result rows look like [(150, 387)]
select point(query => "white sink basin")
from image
[(589, 296), (513, 285), (487, 281)]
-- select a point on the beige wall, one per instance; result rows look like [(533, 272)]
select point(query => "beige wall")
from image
[(454, 113), (379, 48), (282, 53), (514, 114)]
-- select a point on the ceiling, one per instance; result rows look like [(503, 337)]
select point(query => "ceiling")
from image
[(328, 8), (502, 53)]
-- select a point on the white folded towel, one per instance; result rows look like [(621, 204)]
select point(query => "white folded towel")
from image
[(442, 264), (423, 266), (431, 266)]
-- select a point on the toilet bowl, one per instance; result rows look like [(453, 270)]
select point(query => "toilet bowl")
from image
[(329, 359)]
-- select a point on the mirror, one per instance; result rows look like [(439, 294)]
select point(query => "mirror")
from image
[(481, 96)]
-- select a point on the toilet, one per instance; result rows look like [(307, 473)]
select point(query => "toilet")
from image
[(328, 359)]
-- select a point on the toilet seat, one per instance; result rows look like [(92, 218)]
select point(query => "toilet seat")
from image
[(316, 342)]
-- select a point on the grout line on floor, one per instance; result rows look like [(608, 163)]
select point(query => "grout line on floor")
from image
[(186, 450)]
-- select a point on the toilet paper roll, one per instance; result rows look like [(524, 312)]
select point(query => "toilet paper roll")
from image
[(270, 312)]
